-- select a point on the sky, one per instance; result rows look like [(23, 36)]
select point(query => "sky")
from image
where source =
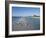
[(25, 11)]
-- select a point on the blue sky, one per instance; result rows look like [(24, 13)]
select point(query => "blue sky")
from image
[(25, 11)]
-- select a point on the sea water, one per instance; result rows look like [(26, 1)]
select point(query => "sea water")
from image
[(25, 23)]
